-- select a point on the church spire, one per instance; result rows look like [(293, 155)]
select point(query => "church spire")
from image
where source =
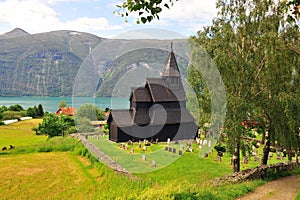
[(171, 69)]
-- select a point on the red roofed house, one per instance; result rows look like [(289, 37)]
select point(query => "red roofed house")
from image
[(71, 111)]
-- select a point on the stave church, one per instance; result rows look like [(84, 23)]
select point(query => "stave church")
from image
[(157, 111)]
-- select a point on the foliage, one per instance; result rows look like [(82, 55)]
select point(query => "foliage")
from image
[(55, 125), (147, 10), (246, 42), (35, 111), (9, 114), (85, 114), (62, 104), (16, 107)]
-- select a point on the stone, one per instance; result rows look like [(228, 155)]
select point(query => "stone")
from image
[(144, 157), (220, 153), (181, 147), (153, 163), (168, 141), (209, 143), (132, 151), (218, 158), (144, 148), (174, 150), (180, 152), (166, 148), (170, 149), (245, 160), (205, 155)]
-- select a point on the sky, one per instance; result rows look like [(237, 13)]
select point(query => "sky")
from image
[(186, 17)]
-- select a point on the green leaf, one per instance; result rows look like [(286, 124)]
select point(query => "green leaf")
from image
[(144, 20)]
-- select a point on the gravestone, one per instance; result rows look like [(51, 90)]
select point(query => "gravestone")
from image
[(140, 144), (144, 157), (180, 152), (205, 142), (170, 149), (174, 150), (86, 137), (200, 147), (205, 155), (132, 150), (166, 148), (220, 153), (144, 148), (168, 141), (156, 140), (201, 142), (218, 158), (209, 143), (181, 147), (245, 160), (153, 163)]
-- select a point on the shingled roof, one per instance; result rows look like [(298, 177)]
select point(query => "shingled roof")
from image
[(171, 68), (160, 92), (140, 94)]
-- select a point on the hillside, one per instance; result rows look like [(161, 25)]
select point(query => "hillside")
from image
[(42, 64), (47, 64)]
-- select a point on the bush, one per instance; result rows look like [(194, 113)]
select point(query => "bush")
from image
[(220, 148)]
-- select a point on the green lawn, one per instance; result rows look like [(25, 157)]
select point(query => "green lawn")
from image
[(20, 134)]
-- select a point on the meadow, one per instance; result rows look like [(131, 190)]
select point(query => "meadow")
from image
[(61, 168)]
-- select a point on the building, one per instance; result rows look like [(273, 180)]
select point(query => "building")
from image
[(157, 110), (71, 111)]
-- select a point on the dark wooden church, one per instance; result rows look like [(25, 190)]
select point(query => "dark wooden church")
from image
[(157, 110)]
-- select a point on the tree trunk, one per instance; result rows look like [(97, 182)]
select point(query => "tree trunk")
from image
[(266, 149), (263, 137), (236, 158)]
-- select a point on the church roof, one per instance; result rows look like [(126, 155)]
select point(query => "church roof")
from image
[(140, 94), (160, 92), (171, 68)]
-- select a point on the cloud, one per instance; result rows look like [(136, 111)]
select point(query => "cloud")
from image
[(191, 13), (38, 16)]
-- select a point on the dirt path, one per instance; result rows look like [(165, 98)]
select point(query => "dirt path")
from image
[(281, 189)]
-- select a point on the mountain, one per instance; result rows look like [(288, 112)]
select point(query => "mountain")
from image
[(43, 64), (66, 63)]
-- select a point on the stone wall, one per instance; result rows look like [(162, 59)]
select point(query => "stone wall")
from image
[(259, 172)]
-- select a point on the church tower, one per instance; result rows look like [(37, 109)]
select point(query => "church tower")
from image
[(171, 73)]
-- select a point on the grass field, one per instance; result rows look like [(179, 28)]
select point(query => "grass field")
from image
[(26, 173), (20, 133), (44, 176)]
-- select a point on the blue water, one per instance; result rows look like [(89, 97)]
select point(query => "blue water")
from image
[(50, 104)]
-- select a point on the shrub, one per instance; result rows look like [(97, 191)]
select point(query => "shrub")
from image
[(220, 148)]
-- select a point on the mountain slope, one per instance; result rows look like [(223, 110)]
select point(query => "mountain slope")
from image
[(42, 64)]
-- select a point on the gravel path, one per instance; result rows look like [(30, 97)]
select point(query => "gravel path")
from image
[(280, 189)]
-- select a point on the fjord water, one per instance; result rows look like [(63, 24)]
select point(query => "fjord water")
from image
[(50, 104)]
